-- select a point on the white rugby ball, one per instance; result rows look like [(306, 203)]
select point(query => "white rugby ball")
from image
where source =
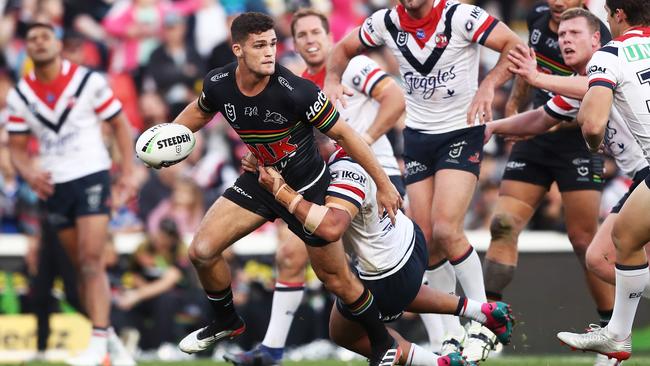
[(165, 144)]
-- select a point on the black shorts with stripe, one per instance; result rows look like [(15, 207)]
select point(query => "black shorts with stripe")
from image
[(247, 193)]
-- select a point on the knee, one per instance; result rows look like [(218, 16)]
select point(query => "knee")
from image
[(446, 233), (335, 282), (595, 260), (202, 253), (291, 258), (580, 240), (503, 227)]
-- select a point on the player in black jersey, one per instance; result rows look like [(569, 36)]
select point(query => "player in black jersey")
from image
[(560, 156), (275, 112)]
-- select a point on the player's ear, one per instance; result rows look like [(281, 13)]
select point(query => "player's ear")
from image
[(237, 50)]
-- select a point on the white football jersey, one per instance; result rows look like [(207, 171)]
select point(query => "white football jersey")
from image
[(441, 77), (381, 248), (623, 65), (619, 141), (66, 121), (362, 75)]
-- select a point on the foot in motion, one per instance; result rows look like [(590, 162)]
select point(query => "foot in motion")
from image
[(499, 320), (205, 337), (452, 344), (598, 340), (258, 356), (479, 343), (455, 359), (388, 357)]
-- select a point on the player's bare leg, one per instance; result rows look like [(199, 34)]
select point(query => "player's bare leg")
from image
[(350, 335), (290, 261), (630, 234), (515, 206), (581, 217), (224, 223), (440, 275)]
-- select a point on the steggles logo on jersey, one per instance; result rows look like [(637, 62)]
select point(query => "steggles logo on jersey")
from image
[(230, 112), (428, 85), (274, 117)]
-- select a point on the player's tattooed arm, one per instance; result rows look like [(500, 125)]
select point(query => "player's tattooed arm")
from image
[(594, 114), (519, 97)]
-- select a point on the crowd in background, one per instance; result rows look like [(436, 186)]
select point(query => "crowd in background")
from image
[(155, 54)]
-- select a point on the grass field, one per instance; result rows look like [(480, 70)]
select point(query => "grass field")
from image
[(506, 361)]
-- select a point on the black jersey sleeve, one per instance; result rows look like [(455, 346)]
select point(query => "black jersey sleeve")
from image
[(316, 108), (535, 13), (605, 35), (207, 100)]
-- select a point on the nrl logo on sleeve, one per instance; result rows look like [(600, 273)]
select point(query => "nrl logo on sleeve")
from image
[(535, 36), (285, 83), (219, 76)]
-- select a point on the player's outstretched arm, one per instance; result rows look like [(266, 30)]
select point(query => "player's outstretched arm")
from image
[(328, 222), (388, 198), (529, 123), (594, 114), (525, 67), (502, 39), (193, 116), (391, 107), (337, 61)]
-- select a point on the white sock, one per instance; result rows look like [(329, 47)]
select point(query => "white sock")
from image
[(470, 275), (630, 283), (286, 300), (98, 341), (435, 330), (419, 356), (443, 278), (471, 309)]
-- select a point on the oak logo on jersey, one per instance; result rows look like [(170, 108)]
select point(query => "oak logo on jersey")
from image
[(428, 85), (230, 112), (274, 117), (273, 152)]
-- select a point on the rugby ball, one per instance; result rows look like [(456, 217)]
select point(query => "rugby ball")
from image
[(165, 144)]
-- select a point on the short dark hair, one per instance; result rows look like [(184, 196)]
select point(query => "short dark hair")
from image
[(307, 12), (249, 23), (35, 25), (637, 11), (592, 20)]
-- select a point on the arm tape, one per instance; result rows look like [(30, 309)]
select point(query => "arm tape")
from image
[(340, 207), (314, 218)]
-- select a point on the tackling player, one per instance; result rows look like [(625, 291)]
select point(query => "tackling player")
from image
[(619, 75), (374, 108), (389, 258), (63, 105), (437, 46), (274, 112)]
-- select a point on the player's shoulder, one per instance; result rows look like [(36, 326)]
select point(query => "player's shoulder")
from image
[(381, 13), (220, 74), (291, 82), (538, 12)]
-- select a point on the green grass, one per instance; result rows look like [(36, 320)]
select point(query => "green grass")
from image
[(506, 361)]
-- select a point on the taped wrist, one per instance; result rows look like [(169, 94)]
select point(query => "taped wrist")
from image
[(314, 218), (288, 197)]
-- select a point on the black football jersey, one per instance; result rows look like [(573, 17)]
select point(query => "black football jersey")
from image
[(277, 124)]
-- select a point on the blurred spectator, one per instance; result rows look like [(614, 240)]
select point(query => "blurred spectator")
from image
[(208, 27), (184, 207), (178, 68), (153, 110), (221, 54), (159, 267)]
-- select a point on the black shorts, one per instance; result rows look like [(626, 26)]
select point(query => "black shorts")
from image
[(639, 177), (247, 193), (425, 154), (398, 182), (393, 294), (573, 171), (84, 196)]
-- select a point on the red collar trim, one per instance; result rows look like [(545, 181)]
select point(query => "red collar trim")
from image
[(421, 29)]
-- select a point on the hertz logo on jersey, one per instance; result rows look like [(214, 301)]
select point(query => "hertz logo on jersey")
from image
[(317, 106)]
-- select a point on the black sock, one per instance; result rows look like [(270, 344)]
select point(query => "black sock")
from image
[(364, 310), (605, 316), (223, 306)]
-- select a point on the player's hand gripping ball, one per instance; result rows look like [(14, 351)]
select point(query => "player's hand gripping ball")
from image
[(164, 145)]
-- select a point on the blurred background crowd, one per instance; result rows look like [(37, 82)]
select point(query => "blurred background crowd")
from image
[(155, 54)]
